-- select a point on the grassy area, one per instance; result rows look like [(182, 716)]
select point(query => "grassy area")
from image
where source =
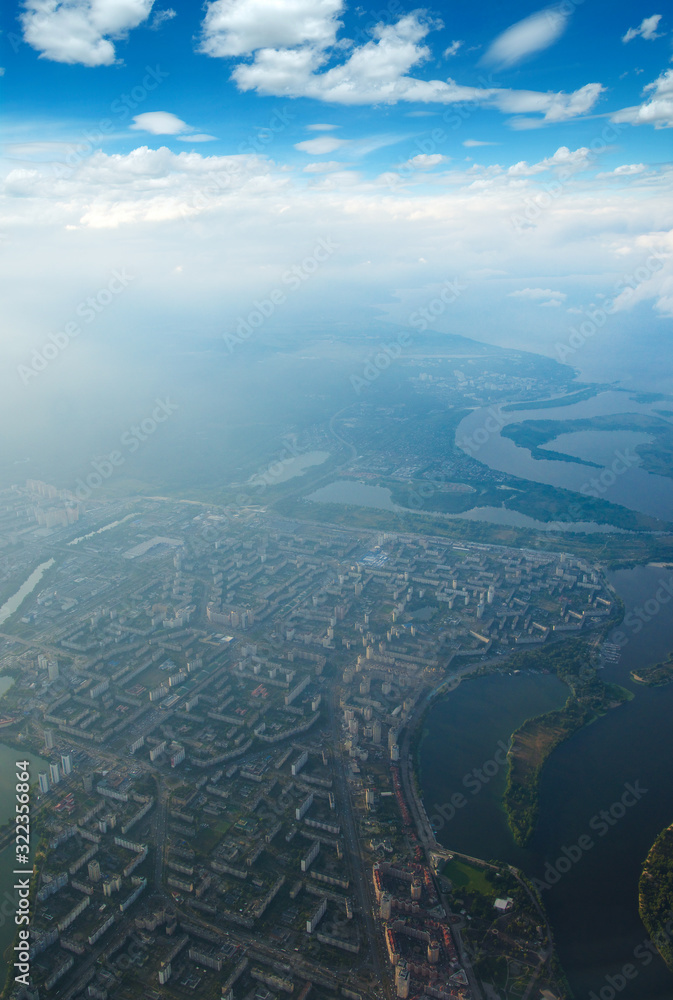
[(468, 877)]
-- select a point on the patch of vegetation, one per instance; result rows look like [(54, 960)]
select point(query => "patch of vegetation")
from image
[(655, 676), (655, 894), (533, 742)]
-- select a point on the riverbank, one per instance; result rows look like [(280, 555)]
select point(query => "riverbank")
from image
[(655, 894)]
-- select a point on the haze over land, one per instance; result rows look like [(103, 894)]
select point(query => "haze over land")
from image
[(336, 497)]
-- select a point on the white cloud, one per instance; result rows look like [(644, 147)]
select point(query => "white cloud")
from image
[(154, 209), (656, 110), (159, 123), (160, 17), (320, 127), (647, 29), (166, 123), (289, 60), (565, 160), (452, 50), (478, 142), (551, 298), (626, 170), (424, 161), (240, 27), (525, 38), (318, 147), (81, 31)]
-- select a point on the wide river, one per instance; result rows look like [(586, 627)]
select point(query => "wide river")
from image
[(593, 907), (479, 435)]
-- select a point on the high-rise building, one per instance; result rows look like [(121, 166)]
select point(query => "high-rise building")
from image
[(66, 763), (44, 781), (52, 670), (54, 774), (49, 739), (94, 871)]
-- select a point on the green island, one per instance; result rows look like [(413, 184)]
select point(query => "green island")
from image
[(656, 675), (552, 404), (655, 894), (656, 456), (537, 500), (533, 742)]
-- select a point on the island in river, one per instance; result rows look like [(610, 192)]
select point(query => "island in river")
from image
[(656, 675), (533, 742)]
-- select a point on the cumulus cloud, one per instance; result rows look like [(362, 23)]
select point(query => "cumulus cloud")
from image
[(565, 160), (81, 31), (526, 38), (301, 57), (239, 27), (647, 29), (656, 109)]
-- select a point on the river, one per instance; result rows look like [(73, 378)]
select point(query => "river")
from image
[(350, 491), (14, 602), (478, 434), (593, 906)]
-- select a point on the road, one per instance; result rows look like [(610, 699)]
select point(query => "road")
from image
[(352, 843)]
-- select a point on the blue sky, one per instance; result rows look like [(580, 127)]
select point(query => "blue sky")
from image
[(208, 147)]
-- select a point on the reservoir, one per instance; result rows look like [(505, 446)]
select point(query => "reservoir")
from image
[(593, 907)]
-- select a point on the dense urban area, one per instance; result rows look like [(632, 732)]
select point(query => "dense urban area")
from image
[(225, 707)]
